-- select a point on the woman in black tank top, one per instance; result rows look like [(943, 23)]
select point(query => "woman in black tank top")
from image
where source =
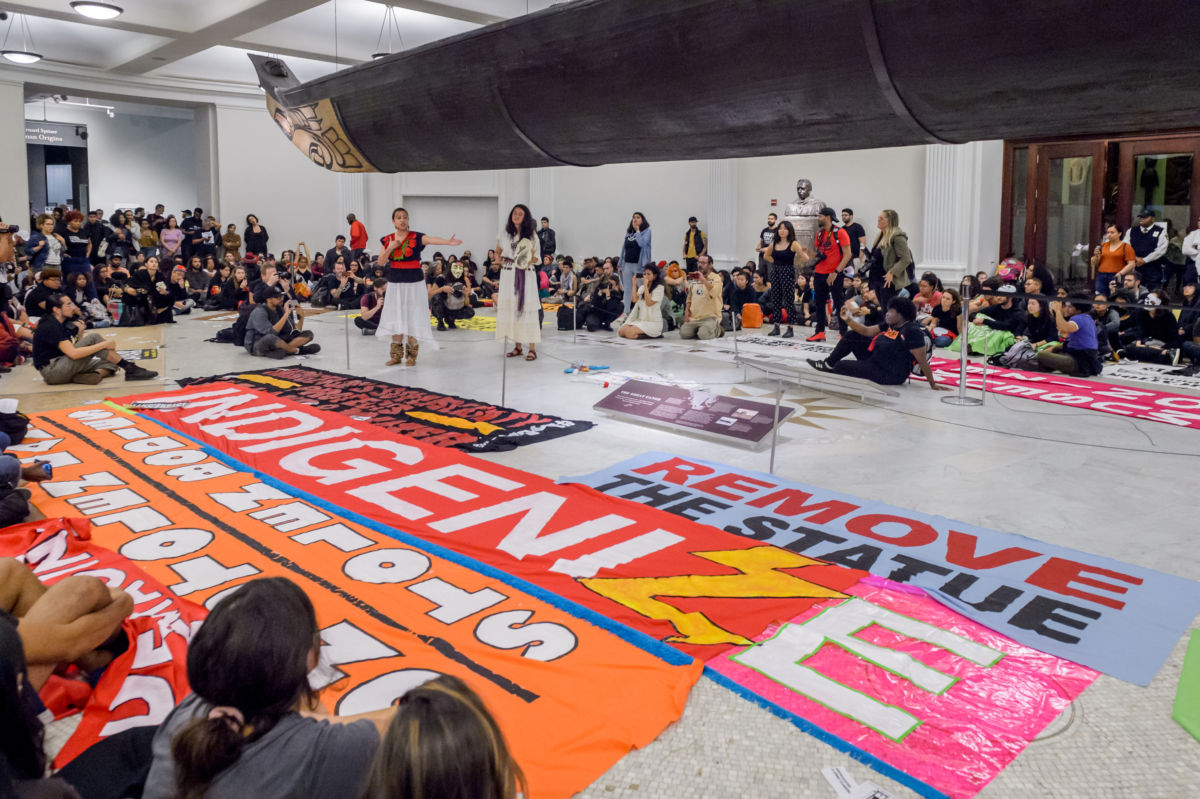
[(781, 255)]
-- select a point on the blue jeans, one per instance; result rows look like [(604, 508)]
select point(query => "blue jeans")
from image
[(943, 341), (628, 271), (1102, 281), (10, 471)]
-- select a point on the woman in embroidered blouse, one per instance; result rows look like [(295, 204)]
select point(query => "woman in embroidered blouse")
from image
[(405, 315)]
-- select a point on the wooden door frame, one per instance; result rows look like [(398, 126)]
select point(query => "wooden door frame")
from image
[(1131, 149), (1045, 152)]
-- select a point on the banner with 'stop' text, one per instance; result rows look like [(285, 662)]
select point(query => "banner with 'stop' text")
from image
[(1115, 617)]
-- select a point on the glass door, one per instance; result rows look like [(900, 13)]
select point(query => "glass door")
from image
[(1068, 200)]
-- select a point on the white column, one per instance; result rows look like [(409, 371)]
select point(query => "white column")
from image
[(208, 189), (352, 198), (14, 199), (962, 209), (721, 224), (541, 195)]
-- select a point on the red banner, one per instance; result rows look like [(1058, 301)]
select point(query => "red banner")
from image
[(571, 697), (698, 588), (1139, 403), (142, 685)]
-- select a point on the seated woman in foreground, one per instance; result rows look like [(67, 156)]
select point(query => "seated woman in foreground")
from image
[(646, 320), (884, 353), (444, 743)]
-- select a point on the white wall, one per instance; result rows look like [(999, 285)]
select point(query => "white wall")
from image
[(14, 197), (866, 180), (472, 219), (135, 159), (593, 205), (260, 172)]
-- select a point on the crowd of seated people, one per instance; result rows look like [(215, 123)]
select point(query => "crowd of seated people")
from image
[(133, 268)]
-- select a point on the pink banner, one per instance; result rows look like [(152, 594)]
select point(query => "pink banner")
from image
[(903, 678), (1139, 403)]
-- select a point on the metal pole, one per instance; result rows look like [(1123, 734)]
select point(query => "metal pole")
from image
[(961, 398), (775, 427), (504, 371), (574, 317), (347, 332)]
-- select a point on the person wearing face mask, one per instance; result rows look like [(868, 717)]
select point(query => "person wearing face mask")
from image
[(450, 297)]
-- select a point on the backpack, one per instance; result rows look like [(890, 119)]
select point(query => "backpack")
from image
[(1019, 356), (238, 331), (566, 317)]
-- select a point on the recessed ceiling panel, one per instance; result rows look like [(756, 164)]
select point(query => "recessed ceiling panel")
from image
[(357, 24), (230, 64)]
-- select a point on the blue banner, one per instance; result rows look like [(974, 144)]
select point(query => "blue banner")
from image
[(1114, 617)]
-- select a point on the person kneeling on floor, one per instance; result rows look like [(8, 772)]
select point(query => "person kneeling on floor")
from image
[(884, 353), (702, 317), (63, 353), (270, 331)]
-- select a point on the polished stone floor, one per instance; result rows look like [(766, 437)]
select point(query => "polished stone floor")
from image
[(1114, 486)]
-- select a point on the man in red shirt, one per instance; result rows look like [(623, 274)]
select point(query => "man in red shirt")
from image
[(833, 250), (358, 237)]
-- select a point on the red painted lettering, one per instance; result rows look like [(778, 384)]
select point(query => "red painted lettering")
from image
[(737, 482), (676, 470), (919, 533), (1057, 575), (960, 550), (794, 502)]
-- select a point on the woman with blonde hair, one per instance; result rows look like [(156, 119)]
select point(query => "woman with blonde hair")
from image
[(891, 259), (444, 743)]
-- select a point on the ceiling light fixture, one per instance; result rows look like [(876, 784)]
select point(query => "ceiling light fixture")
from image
[(95, 10), (26, 54), (392, 25)]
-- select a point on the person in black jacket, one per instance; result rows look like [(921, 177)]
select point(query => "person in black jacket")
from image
[(339, 248), (546, 238), (1000, 313), (1155, 336), (1038, 325)]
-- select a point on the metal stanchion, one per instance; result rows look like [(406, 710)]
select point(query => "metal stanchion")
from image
[(775, 426), (504, 371), (347, 331), (961, 398)]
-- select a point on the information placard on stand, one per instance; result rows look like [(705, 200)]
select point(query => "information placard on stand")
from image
[(732, 420)]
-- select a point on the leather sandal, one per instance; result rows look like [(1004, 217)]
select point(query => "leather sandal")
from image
[(516, 353), (532, 356)]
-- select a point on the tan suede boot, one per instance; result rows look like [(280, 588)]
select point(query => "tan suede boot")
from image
[(411, 347), (396, 353)]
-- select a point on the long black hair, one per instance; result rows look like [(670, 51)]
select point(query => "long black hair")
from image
[(645, 221), (657, 280), (791, 231), (20, 730), (526, 231), (251, 654)]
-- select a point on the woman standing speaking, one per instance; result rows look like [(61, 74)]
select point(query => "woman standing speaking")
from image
[(517, 304), (781, 255), (405, 314), (635, 254)]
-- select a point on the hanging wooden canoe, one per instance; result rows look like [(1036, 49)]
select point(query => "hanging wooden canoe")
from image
[(603, 81)]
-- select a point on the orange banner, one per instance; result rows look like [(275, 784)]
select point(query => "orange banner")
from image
[(571, 697)]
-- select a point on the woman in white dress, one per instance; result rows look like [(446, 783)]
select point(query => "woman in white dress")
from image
[(518, 304), (405, 314), (646, 319)]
